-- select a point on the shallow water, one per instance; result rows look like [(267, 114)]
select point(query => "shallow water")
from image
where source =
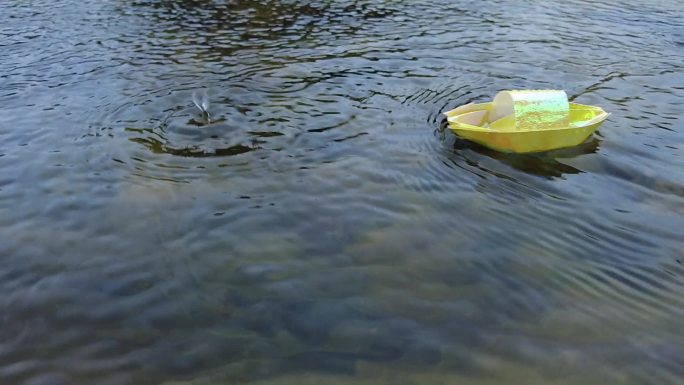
[(322, 226)]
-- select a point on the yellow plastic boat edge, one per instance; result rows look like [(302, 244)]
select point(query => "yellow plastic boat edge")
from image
[(529, 141), (468, 108)]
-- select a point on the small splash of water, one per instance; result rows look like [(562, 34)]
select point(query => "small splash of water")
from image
[(201, 100)]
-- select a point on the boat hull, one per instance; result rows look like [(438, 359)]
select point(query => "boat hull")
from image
[(587, 119)]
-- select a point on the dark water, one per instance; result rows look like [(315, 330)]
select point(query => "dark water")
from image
[(323, 228)]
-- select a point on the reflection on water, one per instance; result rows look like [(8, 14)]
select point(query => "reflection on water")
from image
[(319, 224)]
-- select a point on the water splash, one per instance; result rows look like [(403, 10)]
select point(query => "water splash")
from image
[(201, 100)]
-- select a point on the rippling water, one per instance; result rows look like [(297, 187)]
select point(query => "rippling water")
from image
[(322, 226)]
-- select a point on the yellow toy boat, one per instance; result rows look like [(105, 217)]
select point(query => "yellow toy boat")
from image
[(526, 121)]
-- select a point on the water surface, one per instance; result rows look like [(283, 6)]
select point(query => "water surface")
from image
[(323, 227)]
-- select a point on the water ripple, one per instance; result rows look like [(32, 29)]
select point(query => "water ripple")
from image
[(323, 225)]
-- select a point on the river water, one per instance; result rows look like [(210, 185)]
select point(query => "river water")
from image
[(323, 227)]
